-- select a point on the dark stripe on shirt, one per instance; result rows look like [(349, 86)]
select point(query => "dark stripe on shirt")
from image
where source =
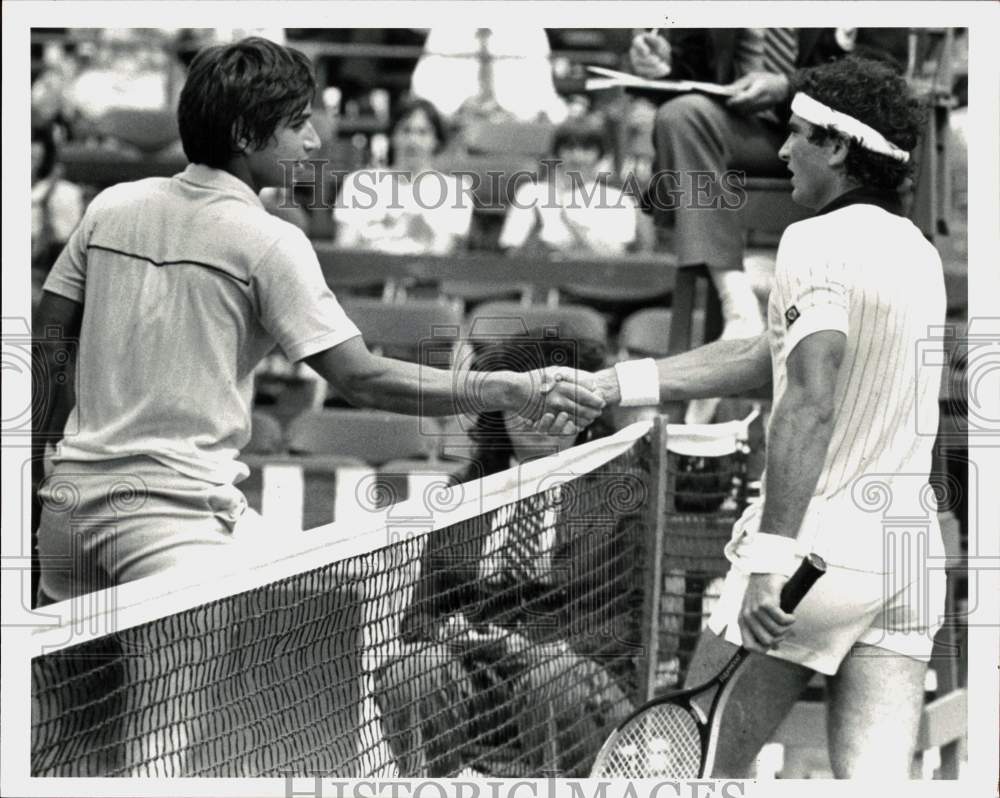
[(160, 264)]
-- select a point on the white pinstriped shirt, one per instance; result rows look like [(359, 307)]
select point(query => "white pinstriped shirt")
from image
[(870, 274)]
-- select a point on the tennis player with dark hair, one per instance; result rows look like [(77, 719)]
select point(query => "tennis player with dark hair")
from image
[(856, 287), (176, 289)]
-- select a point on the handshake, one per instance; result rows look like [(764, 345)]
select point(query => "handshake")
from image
[(558, 400)]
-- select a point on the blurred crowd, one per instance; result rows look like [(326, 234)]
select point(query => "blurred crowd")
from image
[(402, 140)]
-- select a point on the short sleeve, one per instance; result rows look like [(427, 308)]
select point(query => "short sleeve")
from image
[(357, 206), (811, 287), (67, 209), (296, 305), (611, 223), (68, 276), (520, 219), (459, 207)]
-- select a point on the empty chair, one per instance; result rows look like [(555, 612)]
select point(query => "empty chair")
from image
[(405, 448), (494, 177), (509, 137), (146, 129), (266, 435), (417, 329), (371, 435), (505, 319), (646, 333)]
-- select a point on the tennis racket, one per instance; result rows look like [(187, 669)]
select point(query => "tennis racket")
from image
[(670, 736)]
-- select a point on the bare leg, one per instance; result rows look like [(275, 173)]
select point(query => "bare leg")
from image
[(875, 703), (764, 692)]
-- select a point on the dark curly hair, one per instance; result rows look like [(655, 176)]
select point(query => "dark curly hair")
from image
[(239, 91), (411, 105), (874, 93), (527, 352)]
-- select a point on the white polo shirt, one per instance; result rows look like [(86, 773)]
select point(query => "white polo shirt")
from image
[(871, 275), (186, 284), (597, 218)]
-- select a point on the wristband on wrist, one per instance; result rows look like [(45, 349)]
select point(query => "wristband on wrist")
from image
[(763, 553), (638, 382)]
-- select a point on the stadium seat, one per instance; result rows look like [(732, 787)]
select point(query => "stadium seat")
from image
[(148, 130), (510, 138), (100, 167), (405, 449), (422, 330), (646, 333), (769, 208), (373, 436), (495, 176), (266, 435), (504, 319)]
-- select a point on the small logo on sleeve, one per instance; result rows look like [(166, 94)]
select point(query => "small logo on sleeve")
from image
[(791, 315)]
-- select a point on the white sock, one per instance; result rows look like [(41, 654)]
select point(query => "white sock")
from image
[(740, 309), (742, 319)]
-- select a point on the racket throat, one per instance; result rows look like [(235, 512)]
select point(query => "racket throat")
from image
[(717, 713)]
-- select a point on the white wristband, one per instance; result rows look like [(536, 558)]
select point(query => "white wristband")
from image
[(638, 382), (762, 553)]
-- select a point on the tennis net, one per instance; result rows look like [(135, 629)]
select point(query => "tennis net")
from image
[(500, 627)]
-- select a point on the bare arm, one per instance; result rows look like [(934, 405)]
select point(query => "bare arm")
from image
[(56, 324), (721, 368), (800, 430), (368, 380), (801, 426)]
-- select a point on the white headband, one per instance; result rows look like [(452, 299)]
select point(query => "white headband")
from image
[(814, 111)]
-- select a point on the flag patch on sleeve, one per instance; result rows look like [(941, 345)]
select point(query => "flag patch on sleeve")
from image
[(791, 315)]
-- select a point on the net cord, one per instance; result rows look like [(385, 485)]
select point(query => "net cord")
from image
[(239, 569)]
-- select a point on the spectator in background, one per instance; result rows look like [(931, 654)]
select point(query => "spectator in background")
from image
[(133, 68), (409, 209), (571, 209), (56, 207), (500, 72)]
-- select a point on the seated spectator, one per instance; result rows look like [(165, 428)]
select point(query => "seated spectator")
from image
[(134, 68), (56, 207), (571, 209), (490, 73), (409, 209)]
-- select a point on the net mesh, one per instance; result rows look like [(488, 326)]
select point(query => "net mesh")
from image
[(508, 644), (664, 741), (705, 496)]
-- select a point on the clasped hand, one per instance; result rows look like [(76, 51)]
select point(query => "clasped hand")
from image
[(758, 91), (650, 56), (561, 400), (762, 621)]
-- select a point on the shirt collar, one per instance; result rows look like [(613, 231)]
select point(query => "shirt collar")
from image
[(199, 174), (886, 200)]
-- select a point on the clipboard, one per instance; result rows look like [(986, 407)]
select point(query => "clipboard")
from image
[(612, 78)]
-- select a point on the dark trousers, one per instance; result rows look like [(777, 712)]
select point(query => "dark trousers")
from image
[(697, 138)]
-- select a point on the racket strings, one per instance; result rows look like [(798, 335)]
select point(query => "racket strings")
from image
[(663, 741)]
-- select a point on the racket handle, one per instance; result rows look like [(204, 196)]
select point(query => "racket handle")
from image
[(795, 589)]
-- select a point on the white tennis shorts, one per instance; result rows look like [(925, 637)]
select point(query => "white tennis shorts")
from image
[(113, 521), (845, 607)]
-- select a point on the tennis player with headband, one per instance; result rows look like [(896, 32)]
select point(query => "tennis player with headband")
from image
[(856, 287)]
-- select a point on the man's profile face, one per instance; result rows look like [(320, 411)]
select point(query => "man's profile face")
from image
[(282, 159), (814, 181)]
